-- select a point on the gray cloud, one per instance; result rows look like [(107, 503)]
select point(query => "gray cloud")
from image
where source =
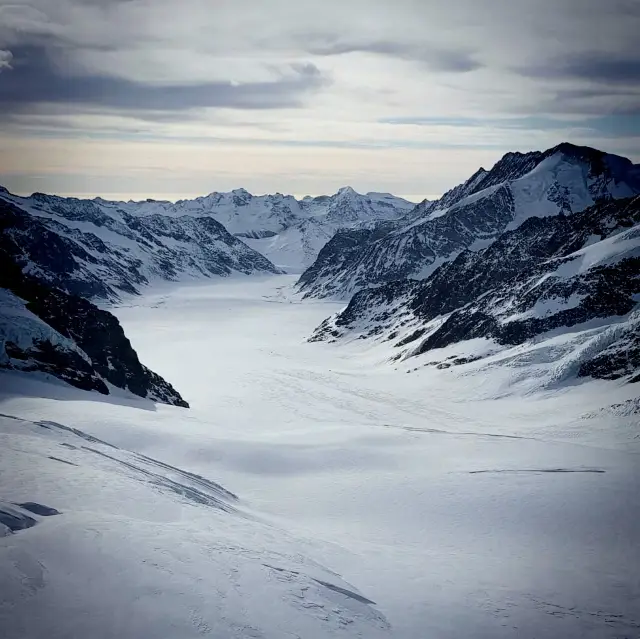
[(602, 68), (35, 80), (594, 100), (435, 58), (522, 73)]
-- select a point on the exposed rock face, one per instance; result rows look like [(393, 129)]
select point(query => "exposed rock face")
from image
[(549, 274), (51, 331), (563, 180), (619, 360)]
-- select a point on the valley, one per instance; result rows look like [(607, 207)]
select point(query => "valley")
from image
[(456, 507)]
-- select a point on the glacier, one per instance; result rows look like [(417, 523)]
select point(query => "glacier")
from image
[(312, 490)]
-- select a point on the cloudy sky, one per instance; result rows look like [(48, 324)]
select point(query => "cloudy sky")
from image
[(173, 98)]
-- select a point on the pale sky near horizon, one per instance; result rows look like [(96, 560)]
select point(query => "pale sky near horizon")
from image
[(177, 98)]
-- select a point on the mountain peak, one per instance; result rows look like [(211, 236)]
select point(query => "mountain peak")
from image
[(241, 197), (347, 191), (588, 154), (567, 148)]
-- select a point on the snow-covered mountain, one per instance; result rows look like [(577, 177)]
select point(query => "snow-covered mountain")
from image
[(561, 290), (287, 231), (100, 252), (565, 179), (258, 216), (297, 243)]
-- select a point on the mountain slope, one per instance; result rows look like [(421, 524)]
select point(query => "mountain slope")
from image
[(46, 330), (77, 246), (565, 179), (341, 465), (576, 274), (99, 541)]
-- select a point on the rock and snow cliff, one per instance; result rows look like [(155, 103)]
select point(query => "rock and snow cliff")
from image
[(565, 179), (577, 274)]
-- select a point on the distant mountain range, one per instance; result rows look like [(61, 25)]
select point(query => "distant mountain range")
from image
[(306, 225), (287, 231)]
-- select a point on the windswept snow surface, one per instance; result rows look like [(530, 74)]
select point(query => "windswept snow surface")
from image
[(309, 481)]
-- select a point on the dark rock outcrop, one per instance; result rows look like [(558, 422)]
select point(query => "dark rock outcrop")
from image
[(38, 509), (76, 342), (14, 519)]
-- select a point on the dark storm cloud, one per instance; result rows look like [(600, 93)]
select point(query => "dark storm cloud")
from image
[(33, 80), (437, 59), (596, 100), (599, 68)]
